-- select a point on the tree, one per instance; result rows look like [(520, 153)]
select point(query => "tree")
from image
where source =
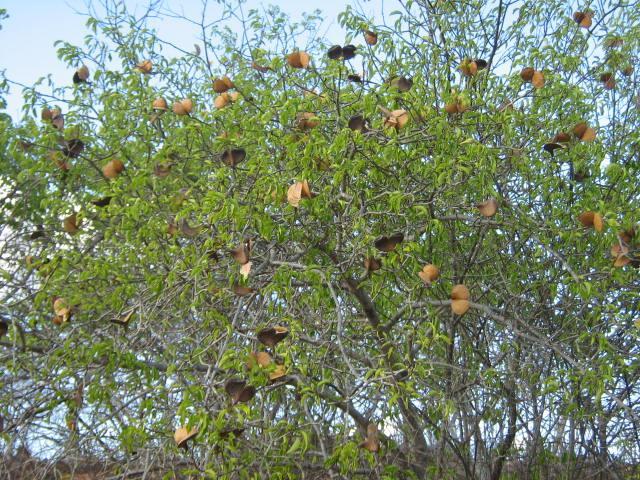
[(411, 255)]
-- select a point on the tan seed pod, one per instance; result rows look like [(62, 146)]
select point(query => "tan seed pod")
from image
[(222, 100), (584, 132), (451, 108), (429, 274), (182, 436), (221, 85), (298, 59), (468, 67), (81, 75), (370, 38), (372, 264), (538, 79), (183, 107), (279, 372), (459, 307), (592, 220), (113, 168), (160, 104), (488, 208), (273, 335), (145, 66), (372, 441), (584, 19), (71, 224)]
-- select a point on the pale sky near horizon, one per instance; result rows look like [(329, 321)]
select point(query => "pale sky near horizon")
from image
[(28, 35)]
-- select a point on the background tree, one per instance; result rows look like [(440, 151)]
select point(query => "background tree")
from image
[(411, 255)]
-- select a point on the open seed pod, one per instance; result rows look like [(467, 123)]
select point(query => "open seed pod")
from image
[(71, 224), (278, 372), (113, 168), (608, 80), (402, 84), (225, 99), (583, 132), (298, 59), (242, 253), (354, 77), (145, 66), (468, 67), (297, 192), (307, 120), (429, 274), (73, 148), (233, 156), (62, 310), (558, 141), (262, 359), (273, 335), (459, 299), (584, 19), (187, 230), (397, 119), (182, 436), (370, 38), (619, 252), (57, 119), (372, 264), (160, 104), (81, 75), (488, 208), (358, 123), (222, 84), (388, 244), (239, 391), (183, 107), (371, 442), (592, 220)]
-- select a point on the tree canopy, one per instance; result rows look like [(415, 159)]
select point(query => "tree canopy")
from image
[(411, 252)]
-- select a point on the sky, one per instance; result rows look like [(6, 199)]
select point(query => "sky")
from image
[(28, 35)]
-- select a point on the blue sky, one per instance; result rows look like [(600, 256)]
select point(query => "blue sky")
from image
[(28, 35)]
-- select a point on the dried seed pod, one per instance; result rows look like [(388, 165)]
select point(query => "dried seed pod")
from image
[(242, 253), (298, 59), (468, 67), (73, 148), (297, 192), (71, 224), (183, 107), (527, 74), (429, 274), (459, 299), (397, 119), (358, 123), (592, 220), (537, 80), (335, 52), (102, 202), (182, 436), (370, 38), (145, 66), (372, 264), (160, 104), (81, 75), (584, 19), (239, 391), (583, 132), (403, 84), (113, 168), (371, 442), (608, 80), (488, 208), (279, 372), (233, 156), (273, 335), (221, 85), (242, 291), (307, 120), (388, 244)]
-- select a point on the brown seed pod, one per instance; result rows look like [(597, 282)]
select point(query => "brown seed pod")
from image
[(242, 291), (388, 244), (488, 208), (371, 442), (279, 372), (298, 191), (242, 253), (101, 202), (298, 59), (619, 253), (451, 108), (71, 224), (402, 84), (468, 67), (160, 104), (182, 436), (113, 168), (584, 132), (307, 120), (73, 148), (592, 220), (538, 79), (183, 107), (584, 19), (239, 391), (627, 71), (608, 80), (358, 123), (397, 119), (372, 264), (233, 156), (62, 310), (429, 274), (221, 85), (145, 66), (273, 335), (526, 74), (81, 75), (370, 38)]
